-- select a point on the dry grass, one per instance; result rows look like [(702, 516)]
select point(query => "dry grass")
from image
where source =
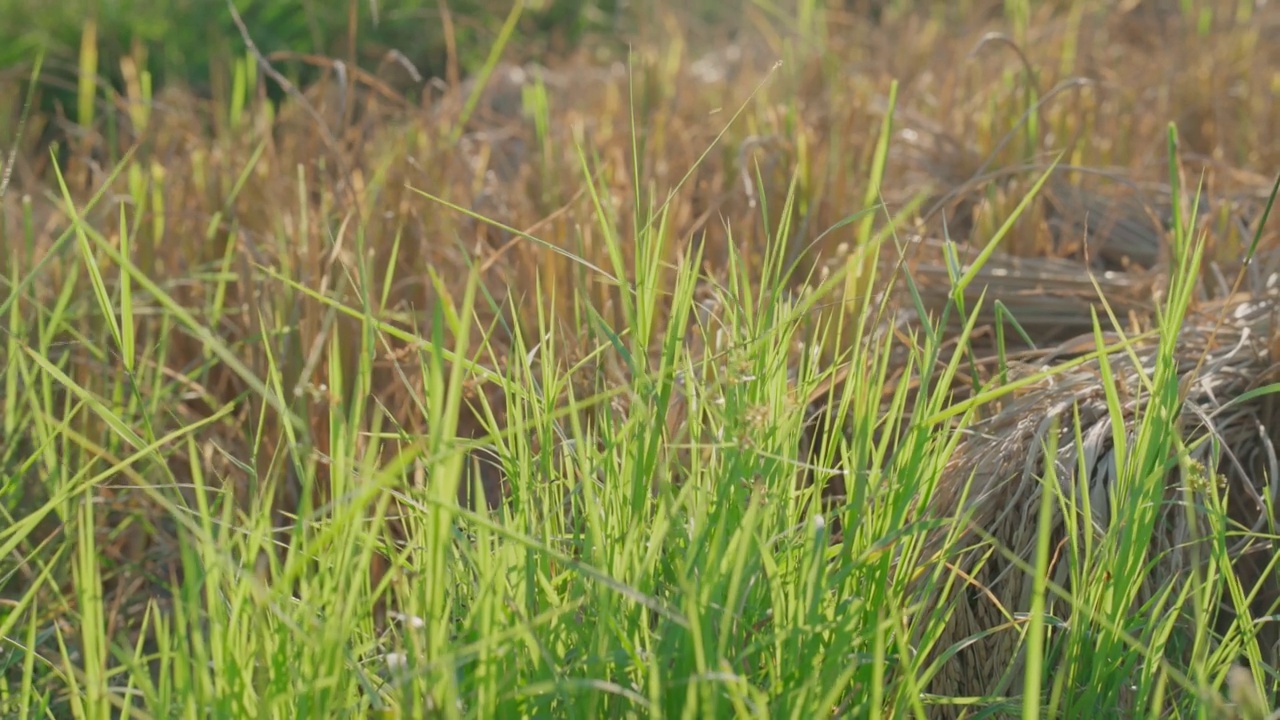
[(1229, 461), (261, 226)]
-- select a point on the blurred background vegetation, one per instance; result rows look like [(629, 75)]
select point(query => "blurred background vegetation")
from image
[(194, 42)]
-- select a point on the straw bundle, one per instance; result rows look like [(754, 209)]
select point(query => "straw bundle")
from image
[(995, 478), (1117, 230), (1050, 298)]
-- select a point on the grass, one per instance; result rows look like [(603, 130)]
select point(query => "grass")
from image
[(189, 43), (265, 350)]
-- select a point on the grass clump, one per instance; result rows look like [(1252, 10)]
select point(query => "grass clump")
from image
[(726, 383)]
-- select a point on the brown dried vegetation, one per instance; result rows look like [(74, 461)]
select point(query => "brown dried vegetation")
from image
[(259, 219)]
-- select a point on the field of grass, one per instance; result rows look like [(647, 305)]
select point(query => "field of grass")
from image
[(709, 369)]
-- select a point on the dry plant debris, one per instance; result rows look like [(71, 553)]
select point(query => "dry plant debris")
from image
[(262, 229)]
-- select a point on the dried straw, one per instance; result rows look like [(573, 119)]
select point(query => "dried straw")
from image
[(995, 478), (1050, 298)]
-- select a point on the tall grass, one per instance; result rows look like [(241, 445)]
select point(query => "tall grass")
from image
[(247, 418)]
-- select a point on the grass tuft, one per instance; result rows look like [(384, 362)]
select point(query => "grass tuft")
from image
[(822, 365)]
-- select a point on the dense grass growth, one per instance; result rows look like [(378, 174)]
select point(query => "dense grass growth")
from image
[(716, 381)]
